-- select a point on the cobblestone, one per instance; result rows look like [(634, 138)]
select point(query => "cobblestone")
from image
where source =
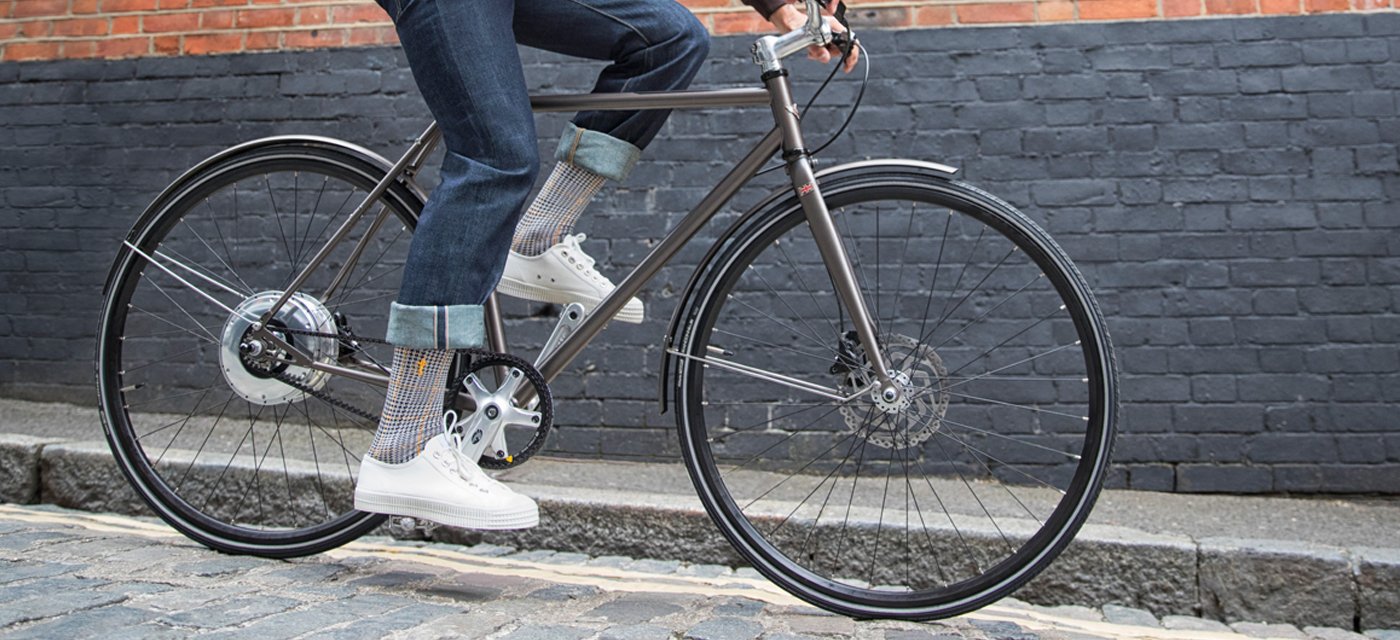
[(1327, 633), (409, 591), (725, 629), (1128, 615), (1185, 623), (1262, 630)]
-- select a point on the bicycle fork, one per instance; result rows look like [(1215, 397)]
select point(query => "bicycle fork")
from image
[(823, 227)]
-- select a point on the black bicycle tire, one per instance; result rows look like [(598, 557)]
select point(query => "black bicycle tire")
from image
[(745, 238), (167, 504)]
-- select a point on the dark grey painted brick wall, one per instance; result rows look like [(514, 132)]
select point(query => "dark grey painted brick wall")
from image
[(1231, 188)]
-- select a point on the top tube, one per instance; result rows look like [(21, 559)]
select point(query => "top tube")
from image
[(630, 101)]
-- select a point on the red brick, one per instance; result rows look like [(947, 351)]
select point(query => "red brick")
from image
[(35, 28), (123, 47), (262, 40), (1323, 6), (1116, 9), (31, 51), (6, 8), (1272, 7), (83, 7), (173, 4), (354, 14), (1370, 5), (8, 31), (314, 38), (79, 49), (313, 16), (216, 20), (1054, 11), (35, 8), (881, 17), (80, 27), (372, 35), (118, 6), (1231, 7), (745, 21), (262, 18), (1180, 8), (169, 45), (205, 43), (201, 4), (168, 22), (933, 16), (126, 25), (996, 13)]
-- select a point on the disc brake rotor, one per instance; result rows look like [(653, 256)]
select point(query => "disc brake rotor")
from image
[(917, 414)]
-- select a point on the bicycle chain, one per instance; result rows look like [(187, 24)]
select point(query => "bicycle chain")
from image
[(355, 341)]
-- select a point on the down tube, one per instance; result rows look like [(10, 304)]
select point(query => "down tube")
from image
[(677, 238)]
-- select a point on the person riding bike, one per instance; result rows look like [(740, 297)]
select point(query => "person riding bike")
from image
[(468, 243)]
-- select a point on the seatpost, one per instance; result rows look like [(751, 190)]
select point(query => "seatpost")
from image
[(768, 54)]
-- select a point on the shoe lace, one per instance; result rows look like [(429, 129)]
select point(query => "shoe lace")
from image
[(585, 260), (463, 467), (455, 438)]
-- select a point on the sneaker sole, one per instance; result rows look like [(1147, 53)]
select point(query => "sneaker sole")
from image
[(526, 291), (413, 507)]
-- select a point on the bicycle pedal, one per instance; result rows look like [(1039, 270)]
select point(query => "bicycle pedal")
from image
[(406, 527)]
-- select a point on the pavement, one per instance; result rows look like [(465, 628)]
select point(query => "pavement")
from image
[(1309, 562), (71, 574)]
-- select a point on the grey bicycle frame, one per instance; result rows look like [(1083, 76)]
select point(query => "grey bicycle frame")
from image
[(787, 134)]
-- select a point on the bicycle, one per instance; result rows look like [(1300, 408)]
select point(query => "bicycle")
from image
[(794, 368)]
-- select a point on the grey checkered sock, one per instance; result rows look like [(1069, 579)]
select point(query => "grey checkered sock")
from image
[(556, 209), (413, 407)]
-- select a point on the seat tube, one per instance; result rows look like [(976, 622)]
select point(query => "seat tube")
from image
[(823, 227)]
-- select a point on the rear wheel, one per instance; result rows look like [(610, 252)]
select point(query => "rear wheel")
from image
[(221, 435), (932, 505)]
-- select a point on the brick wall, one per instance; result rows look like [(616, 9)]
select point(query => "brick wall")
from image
[(53, 29), (1230, 187)]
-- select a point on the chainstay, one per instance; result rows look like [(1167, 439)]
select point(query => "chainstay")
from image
[(355, 341)]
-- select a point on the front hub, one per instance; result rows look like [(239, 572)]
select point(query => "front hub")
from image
[(908, 417)]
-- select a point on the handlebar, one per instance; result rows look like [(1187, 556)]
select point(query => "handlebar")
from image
[(770, 50)]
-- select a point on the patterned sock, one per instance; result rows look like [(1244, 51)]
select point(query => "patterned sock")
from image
[(556, 209), (413, 407)]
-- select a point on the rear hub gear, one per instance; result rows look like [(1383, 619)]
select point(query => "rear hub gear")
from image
[(255, 369)]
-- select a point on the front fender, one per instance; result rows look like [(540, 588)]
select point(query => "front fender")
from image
[(784, 197)]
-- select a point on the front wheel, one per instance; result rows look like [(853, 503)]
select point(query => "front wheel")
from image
[(932, 505)]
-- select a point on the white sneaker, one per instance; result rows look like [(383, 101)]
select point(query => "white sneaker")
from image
[(561, 275), (441, 487)]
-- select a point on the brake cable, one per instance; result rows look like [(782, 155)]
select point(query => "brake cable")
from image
[(847, 44)]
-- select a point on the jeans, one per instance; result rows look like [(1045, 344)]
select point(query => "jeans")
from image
[(464, 58)]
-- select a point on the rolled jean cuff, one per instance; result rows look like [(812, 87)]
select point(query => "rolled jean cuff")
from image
[(597, 152), (458, 326)]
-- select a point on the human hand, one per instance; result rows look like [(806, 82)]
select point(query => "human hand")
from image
[(788, 17)]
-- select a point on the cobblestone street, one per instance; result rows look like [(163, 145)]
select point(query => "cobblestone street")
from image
[(70, 574)]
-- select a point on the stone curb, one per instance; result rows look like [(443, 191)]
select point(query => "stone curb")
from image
[(1230, 579)]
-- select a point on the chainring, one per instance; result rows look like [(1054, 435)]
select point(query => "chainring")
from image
[(481, 370)]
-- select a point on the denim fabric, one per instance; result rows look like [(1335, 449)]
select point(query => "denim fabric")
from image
[(457, 326), (597, 152), (465, 61)]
